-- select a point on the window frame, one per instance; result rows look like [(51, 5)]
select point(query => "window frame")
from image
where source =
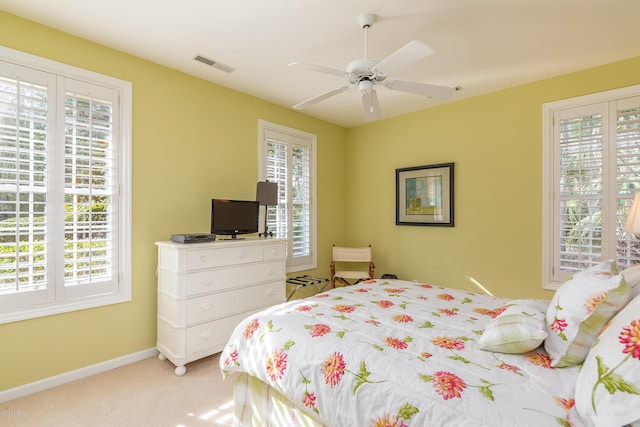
[(58, 301), (309, 262), (551, 175)]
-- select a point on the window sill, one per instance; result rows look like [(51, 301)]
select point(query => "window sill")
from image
[(64, 307)]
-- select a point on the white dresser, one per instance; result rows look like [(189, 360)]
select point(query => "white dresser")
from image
[(206, 289)]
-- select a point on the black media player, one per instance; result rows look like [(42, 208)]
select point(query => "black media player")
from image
[(192, 238)]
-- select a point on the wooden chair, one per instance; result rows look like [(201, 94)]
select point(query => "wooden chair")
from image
[(343, 255)]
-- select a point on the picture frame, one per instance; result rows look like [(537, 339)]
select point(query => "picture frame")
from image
[(424, 195)]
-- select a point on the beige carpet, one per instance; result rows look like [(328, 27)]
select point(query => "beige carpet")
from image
[(145, 393)]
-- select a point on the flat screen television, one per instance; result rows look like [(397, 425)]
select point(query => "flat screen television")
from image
[(233, 217)]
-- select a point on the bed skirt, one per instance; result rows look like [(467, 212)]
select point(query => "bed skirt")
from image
[(257, 404)]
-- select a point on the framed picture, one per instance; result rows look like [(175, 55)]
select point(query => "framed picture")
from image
[(424, 195)]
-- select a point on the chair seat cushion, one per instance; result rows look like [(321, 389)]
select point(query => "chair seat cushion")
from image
[(352, 274)]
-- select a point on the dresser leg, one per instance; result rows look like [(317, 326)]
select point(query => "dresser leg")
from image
[(180, 370), (162, 356)]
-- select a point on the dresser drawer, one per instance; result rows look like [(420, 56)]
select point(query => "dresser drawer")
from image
[(214, 334), (182, 285), (199, 259), (186, 257), (238, 255), (231, 277), (182, 313), (235, 301), (275, 251)]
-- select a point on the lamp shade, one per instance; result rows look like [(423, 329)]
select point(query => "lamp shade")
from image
[(633, 219), (267, 193)]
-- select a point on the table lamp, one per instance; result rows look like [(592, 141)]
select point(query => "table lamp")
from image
[(267, 195), (632, 225)]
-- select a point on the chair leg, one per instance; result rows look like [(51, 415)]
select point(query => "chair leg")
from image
[(332, 268)]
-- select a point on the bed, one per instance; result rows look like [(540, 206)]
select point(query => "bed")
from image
[(399, 353)]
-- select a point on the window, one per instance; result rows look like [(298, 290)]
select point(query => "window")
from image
[(287, 156), (64, 188), (591, 172)]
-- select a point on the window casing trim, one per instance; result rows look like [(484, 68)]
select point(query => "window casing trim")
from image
[(551, 169), (124, 88), (263, 126)]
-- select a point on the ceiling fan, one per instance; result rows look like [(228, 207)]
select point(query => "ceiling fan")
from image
[(365, 73)]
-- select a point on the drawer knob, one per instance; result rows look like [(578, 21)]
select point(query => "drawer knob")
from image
[(241, 254), (271, 292), (207, 282), (205, 335), (271, 271), (274, 251), (203, 259), (206, 307)]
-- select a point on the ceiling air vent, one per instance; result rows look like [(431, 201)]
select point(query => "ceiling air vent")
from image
[(215, 64)]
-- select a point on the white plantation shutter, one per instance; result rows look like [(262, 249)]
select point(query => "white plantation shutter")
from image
[(627, 175), (276, 165), (287, 157), (596, 172), (90, 188), (25, 102), (581, 189), (300, 200), (63, 232)]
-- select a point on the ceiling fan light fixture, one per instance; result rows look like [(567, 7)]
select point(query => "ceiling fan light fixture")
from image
[(365, 86)]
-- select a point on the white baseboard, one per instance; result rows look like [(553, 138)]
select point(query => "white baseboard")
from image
[(77, 374)]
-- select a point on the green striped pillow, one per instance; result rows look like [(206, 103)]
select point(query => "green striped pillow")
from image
[(518, 329)]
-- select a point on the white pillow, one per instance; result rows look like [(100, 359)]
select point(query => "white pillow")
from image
[(518, 329), (632, 276), (608, 386), (579, 310)]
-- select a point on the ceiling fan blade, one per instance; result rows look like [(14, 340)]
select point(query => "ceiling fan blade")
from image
[(319, 69), (370, 105), (408, 54), (424, 89), (321, 97)]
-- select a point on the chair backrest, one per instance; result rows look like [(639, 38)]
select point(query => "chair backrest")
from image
[(344, 254)]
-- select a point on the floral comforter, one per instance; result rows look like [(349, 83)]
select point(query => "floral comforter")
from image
[(398, 353)]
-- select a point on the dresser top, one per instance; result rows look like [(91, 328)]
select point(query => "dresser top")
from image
[(223, 243)]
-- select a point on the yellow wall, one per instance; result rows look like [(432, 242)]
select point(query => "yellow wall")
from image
[(495, 141), (184, 128), (192, 141)]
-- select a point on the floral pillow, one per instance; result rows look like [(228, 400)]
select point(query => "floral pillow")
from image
[(579, 310), (632, 276), (608, 386), (518, 329)]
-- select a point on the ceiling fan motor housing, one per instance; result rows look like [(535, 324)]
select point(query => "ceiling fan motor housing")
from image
[(362, 69)]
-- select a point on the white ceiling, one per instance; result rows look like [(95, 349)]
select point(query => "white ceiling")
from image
[(480, 45)]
